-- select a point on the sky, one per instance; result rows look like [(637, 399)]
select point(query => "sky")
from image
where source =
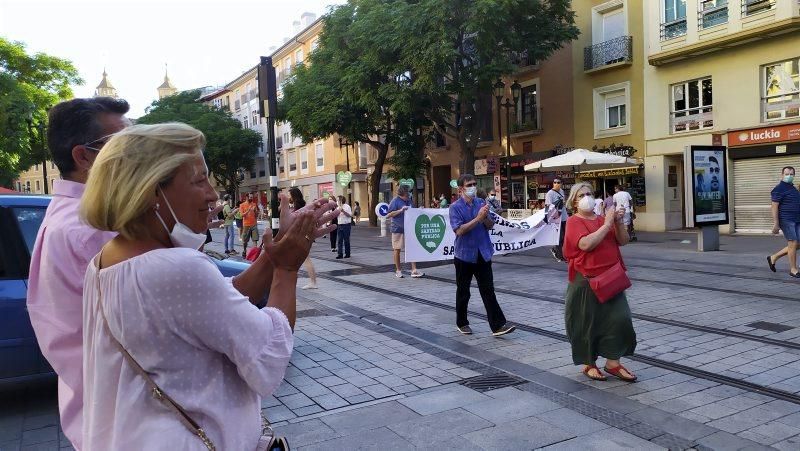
[(203, 42)]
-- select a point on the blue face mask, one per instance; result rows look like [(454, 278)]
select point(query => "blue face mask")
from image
[(470, 191), (788, 178)]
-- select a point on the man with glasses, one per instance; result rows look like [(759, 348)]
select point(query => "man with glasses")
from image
[(78, 130), (470, 221), (556, 198)]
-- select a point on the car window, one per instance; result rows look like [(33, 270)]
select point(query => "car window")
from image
[(29, 219)]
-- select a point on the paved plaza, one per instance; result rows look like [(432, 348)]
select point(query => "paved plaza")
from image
[(379, 364)]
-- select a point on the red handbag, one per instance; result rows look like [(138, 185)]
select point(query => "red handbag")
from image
[(610, 283), (253, 254)]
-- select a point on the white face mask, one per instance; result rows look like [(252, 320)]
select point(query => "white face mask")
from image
[(470, 191), (181, 235), (586, 203)]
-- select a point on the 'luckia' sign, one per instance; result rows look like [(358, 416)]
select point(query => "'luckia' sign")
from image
[(433, 239)]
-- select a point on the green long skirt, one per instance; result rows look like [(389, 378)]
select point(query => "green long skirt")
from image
[(596, 329)]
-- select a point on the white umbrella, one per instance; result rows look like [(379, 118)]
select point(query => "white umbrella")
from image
[(581, 160)]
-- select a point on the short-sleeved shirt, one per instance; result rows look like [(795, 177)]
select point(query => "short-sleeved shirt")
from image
[(248, 217), (397, 221), (552, 196), (788, 199), (595, 262), (343, 218), (623, 199), (476, 241), (227, 213)]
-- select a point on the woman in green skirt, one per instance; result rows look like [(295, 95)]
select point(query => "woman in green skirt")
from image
[(591, 247)]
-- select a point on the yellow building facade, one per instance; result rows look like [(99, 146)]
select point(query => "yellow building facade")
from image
[(721, 73)]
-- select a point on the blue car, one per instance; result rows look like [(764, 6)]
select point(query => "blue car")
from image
[(20, 219)]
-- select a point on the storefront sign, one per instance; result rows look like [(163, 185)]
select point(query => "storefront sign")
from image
[(491, 165), (610, 172), (433, 239), (325, 190), (481, 167), (764, 135), (710, 192)]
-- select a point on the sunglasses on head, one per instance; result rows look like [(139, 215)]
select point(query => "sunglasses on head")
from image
[(97, 144)]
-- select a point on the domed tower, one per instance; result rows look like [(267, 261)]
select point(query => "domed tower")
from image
[(167, 88), (105, 88)]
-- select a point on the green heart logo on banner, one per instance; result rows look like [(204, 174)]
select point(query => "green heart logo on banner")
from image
[(430, 231), (407, 182), (453, 183), (344, 177)]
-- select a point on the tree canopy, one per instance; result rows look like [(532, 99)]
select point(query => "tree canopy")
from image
[(229, 147), (29, 86)]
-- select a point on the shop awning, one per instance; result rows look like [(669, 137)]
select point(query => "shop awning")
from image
[(580, 160), (628, 170)]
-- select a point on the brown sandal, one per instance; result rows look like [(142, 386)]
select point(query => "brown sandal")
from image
[(617, 372), (588, 368)]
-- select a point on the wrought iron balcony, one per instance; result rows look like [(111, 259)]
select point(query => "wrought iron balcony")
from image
[(750, 7), (710, 17), (613, 51), (673, 29)]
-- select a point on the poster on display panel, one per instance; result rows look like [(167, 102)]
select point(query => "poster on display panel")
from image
[(708, 170)]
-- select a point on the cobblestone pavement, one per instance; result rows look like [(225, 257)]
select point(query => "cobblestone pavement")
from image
[(378, 363)]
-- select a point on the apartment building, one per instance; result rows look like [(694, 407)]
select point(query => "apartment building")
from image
[(721, 72)]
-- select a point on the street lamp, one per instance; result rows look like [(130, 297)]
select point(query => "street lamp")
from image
[(42, 152), (499, 92), (344, 142)]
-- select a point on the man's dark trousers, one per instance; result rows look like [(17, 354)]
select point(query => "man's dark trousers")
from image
[(343, 235), (482, 270)]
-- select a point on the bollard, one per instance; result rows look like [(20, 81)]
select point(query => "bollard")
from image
[(383, 226)]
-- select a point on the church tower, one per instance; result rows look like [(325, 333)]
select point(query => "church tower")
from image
[(167, 88), (105, 89)]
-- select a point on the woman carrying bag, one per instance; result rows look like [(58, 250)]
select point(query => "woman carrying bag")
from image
[(598, 319)]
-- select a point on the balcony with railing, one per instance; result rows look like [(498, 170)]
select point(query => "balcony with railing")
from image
[(612, 52), (751, 7), (674, 29), (712, 15)]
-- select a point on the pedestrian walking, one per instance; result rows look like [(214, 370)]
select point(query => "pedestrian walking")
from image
[(78, 130), (249, 212), (356, 213), (344, 221), (229, 216), (786, 217), (215, 354), (296, 202), (397, 210), (334, 234), (595, 327), (556, 198), (623, 199), (469, 219)]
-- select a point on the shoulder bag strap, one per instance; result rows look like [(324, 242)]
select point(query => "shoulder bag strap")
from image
[(154, 388)]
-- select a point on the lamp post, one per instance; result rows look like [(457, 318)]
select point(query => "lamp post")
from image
[(499, 92), (41, 151), (344, 142)]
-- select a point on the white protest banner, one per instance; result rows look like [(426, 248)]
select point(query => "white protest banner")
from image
[(428, 236)]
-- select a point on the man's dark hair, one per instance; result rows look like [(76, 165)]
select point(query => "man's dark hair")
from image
[(75, 122), (787, 167), (714, 159), (464, 178), (619, 188)]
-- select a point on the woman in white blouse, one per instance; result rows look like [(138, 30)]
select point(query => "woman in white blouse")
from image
[(196, 334)]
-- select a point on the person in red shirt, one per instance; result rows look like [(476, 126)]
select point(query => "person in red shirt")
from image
[(591, 246)]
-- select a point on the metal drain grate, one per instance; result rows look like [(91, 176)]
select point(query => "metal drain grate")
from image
[(772, 327), (491, 382)]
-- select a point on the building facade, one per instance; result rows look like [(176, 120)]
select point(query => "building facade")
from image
[(721, 73), (608, 93)]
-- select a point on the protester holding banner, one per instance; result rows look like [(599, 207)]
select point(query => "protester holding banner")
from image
[(598, 319), (555, 197), (397, 210), (470, 220)]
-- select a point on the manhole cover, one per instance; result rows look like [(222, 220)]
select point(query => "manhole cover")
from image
[(491, 382), (772, 327)]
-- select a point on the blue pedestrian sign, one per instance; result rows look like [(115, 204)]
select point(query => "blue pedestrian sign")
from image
[(382, 209)]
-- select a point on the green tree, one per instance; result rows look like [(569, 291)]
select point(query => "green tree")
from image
[(29, 86), (457, 49), (353, 86), (229, 147)]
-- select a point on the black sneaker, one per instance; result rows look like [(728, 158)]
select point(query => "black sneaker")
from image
[(333, 250), (244, 254), (466, 330), (506, 329), (339, 257)]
